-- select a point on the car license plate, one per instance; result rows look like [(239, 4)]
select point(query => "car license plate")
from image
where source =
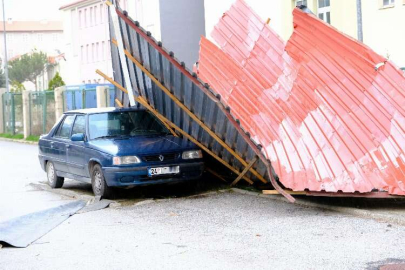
[(163, 170)]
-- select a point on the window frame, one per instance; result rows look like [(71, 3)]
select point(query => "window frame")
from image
[(324, 11), (391, 3), (55, 135), (305, 4), (74, 122)]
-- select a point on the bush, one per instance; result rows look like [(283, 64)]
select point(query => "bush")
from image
[(17, 87), (56, 82)]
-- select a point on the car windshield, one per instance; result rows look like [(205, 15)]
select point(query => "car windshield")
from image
[(124, 124)]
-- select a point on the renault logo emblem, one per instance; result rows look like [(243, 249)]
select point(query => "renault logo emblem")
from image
[(161, 158)]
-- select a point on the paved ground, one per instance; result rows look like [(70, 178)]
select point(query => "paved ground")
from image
[(219, 230)]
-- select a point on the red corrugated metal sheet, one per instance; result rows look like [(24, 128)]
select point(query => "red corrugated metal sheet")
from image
[(328, 120)]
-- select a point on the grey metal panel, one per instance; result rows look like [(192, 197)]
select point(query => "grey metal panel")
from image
[(204, 106)]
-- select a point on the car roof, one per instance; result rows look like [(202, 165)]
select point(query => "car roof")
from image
[(103, 110)]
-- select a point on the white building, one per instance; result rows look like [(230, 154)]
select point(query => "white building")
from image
[(177, 23), (24, 36)]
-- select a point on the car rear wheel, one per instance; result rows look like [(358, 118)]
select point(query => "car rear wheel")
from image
[(54, 181), (98, 183)]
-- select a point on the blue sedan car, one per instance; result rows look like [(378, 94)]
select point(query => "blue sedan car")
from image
[(116, 148)]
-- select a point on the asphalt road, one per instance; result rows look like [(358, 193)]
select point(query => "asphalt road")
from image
[(218, 230)]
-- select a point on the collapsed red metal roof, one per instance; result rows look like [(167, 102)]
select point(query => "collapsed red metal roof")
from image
[(327, 109)]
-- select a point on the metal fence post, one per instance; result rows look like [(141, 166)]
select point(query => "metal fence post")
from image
[(26, 113), (30, 110), (12, 113), (83, 98), (2, 113), (44, 112)]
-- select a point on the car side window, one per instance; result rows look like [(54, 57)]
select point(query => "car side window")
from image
[(79, 125), (66, 127)]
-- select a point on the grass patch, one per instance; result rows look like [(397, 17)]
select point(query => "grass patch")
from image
[(32, 138), (11, 136)]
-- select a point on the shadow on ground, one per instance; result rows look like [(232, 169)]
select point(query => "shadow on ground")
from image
[(206, 184)]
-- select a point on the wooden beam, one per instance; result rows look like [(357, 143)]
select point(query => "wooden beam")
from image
[(143, 101), (275, 192), (195, 118), (111, 81), (118, 103), (247, 168)]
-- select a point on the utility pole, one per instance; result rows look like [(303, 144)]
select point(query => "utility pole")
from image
[(359, 21), (5, 49)]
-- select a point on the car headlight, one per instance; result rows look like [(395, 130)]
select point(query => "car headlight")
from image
[(126, 160), (191, 154)]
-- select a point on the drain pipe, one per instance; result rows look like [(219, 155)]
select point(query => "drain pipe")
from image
[(359, 21)]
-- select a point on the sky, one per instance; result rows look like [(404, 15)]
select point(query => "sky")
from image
[(33, 10)]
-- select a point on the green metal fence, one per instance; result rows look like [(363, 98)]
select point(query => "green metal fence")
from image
[(41, 108), (12, 113)]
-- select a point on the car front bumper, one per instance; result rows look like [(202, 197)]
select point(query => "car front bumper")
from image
[(138, 176)]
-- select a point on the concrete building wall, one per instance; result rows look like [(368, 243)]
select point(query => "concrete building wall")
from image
[(182, 24), (383, 29)]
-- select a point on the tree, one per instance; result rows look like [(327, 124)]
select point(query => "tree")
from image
[(55, 82), (28, 67)]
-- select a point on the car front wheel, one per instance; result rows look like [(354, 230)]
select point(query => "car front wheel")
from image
[(53, 180), (98, 183)]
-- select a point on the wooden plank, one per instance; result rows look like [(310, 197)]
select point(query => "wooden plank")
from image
[(247, 168), (118, 103), (195, 118), (275, 192), (111, 81)]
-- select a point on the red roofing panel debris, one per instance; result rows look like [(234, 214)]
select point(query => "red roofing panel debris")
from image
[(327, 109)]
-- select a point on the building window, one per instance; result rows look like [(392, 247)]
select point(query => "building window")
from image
[(101, 13), (103, 51), (324, 10), (92, 52), (387, 3), (96, 19), (9, 37), (87, 53), (85, 18), (91, 16), (80, 19), (301, 3), (55, 37), (82, 54), (25, 37), (96, 53)]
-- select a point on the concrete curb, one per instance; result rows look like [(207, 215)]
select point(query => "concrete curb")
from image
[(398, 219), (18, 140)]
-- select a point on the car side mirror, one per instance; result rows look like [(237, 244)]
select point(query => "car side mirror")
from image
[(78, 137)]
